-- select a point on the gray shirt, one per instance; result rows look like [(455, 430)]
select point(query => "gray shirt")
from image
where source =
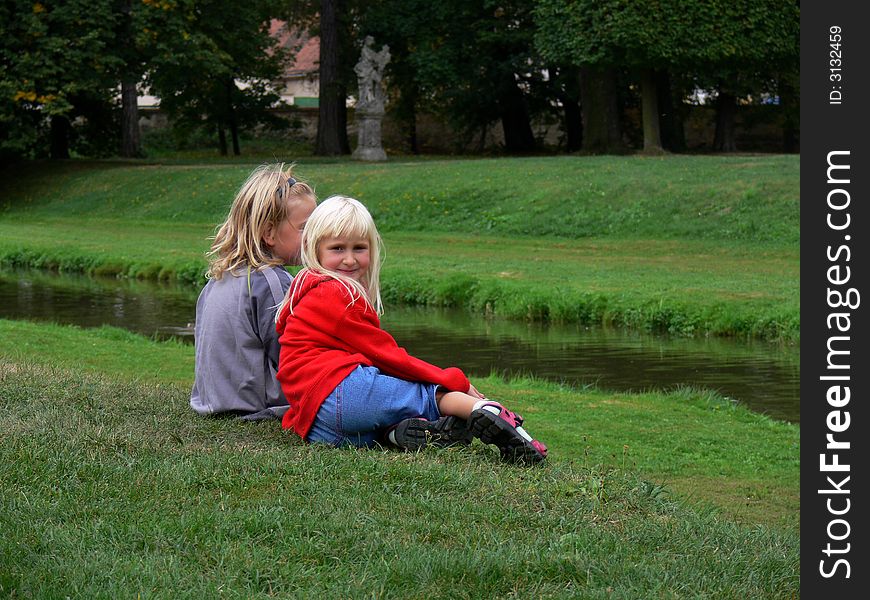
[(237, 345)]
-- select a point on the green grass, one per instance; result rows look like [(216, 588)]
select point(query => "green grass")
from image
[(105, 350), (677, 286), (680, 244), (112, 487), (694, 441), (691, 197)]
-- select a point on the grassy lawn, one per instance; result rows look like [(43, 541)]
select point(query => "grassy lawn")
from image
[(111, 486), (690, 197), (693, 441), (681, 244), (679, 286)]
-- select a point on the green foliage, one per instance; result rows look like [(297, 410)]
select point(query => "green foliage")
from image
[(67, 59), (213, 63), (669, 34), (746, 48), (474, 62), (56, 56), (686, 245)]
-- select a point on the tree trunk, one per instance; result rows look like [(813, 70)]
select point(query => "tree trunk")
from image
[(515, 122), (726, 115), (602, 127), (222, 139), (332, 110), (131, 146), (573, 127), (652, 137), (234, 134), (232, 121), (60, 129), (413, 143), (566, 88), (790, 104), (670, 115)]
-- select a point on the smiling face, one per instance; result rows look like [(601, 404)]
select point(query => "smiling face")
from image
[(349, 256), (284, 239)]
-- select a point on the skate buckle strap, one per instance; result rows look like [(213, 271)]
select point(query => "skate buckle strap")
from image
[(512, 418)]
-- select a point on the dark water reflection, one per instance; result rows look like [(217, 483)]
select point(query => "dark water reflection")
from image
[(762, 375)]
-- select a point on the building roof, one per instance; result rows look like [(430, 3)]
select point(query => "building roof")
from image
[(304, 47)]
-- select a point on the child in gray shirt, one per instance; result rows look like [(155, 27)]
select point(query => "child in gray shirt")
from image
[(235, 339)]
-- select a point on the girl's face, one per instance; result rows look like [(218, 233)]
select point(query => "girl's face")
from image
[(348, 256), (284, 239)]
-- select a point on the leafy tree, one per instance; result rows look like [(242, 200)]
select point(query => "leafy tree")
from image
[(473, 60), (213, 64), (56, 57), (759, 56), (67, 59), (729, 41)]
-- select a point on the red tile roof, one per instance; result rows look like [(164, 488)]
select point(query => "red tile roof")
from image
[(307, 48)]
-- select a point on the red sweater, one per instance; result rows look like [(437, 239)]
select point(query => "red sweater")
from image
[(324, 339)]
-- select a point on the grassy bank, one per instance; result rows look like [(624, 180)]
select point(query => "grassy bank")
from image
[(113, 487), (110, 486), (678, 286), (679, 244), (695, 442), (729, 198)]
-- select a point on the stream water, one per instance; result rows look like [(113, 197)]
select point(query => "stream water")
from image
[(762, 375)]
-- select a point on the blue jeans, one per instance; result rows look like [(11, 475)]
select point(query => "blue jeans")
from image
[(366, 403)]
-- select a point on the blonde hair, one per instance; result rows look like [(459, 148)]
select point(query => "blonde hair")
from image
[(338, 217), (265, 199)]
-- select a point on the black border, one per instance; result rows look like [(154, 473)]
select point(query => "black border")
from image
[(827, 127)]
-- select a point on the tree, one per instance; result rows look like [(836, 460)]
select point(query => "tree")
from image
[(603, 36), (135, 43), (214, 64), (67, 61), (471, 60), (131, 73), (332, 107), (713, 39), (763, 61), (56, 56)]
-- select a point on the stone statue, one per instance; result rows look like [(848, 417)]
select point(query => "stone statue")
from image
[(370, 104)]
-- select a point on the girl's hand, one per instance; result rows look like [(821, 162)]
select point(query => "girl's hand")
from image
[(472, 391)]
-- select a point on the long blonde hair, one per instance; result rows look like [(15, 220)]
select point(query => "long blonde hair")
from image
[(341, 216), (265, 199)]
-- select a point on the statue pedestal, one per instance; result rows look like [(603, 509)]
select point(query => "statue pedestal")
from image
[(370, 105), (369, 146)]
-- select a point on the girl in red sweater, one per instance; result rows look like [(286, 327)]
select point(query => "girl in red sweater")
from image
[(346, 379)]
